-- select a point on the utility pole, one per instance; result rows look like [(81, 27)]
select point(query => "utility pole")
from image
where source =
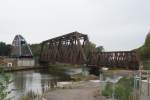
[(148, 85), (136, 88), (134, 97)]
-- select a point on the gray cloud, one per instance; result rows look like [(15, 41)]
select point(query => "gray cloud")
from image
[(115, 24)]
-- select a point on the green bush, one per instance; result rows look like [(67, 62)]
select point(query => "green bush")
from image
[(123, 89), (107, 92), (144, 50), (4, 82), (146, 65)]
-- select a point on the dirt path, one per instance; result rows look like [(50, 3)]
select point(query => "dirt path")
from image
[(84, 91)]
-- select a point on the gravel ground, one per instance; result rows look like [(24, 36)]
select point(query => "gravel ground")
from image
[(82, 91)]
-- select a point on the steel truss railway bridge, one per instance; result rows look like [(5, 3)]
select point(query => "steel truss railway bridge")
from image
[(72, 48)]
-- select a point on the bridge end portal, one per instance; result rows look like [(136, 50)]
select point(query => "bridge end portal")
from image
[(67, 48)]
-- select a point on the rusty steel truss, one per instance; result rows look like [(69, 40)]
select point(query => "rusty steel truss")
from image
[(71, 48), (65, 49), (118, 59)]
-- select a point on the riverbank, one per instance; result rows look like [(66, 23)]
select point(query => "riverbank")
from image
[(83, 90), (49, 82), (23, 68)]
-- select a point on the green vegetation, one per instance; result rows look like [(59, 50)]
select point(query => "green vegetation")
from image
[(91, 48), (36, 48), (64, 65), (144, 51), (5, 49), (99, 49), (31, 96), (123, 89), (4, 82), (146, 65), (59, 71), (81, 77)]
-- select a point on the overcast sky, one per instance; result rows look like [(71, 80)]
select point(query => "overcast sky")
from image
[(115, 24)]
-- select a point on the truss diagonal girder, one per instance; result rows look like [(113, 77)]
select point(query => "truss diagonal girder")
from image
[(119, 59), (20, 47), (71, 48), (66, 49)]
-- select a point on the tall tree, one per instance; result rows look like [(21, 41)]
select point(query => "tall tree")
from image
[(147, 40), (99, 49), (144, 51), (36, 48), (5, 49), (90, 47)]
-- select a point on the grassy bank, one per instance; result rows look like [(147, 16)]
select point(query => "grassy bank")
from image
[(59, 71), (122, 90), (64, 65), (146, 65)]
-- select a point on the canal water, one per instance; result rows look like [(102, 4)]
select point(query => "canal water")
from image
[(37, 81)]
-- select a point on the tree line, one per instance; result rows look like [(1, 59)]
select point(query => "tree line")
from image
[(144, 50), (5, 49)]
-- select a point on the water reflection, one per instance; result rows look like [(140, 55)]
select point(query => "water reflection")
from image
[(37, 81)]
